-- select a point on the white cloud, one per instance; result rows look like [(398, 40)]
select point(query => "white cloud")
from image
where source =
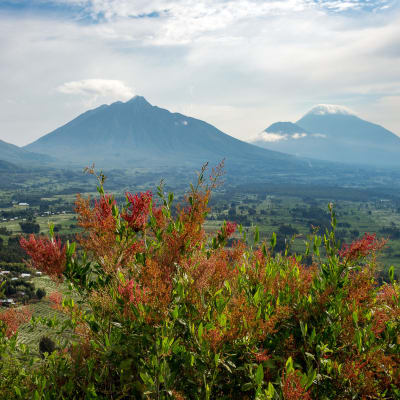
[(269, 137), (323, 109), (98, 88), (319, 135), (299, 135)]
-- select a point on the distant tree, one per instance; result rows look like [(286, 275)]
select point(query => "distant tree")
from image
[(29, 227), (287, 230)]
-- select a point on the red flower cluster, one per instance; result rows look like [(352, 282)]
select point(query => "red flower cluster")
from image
[(103, 208), (133, 293), (230, 228), (13, 318), (227, 230), (361, 248), (139, 209), (47, 255)]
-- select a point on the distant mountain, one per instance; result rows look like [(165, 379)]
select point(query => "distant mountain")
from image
[(16, 155), (333, 133), (136, 133), (285, 128)]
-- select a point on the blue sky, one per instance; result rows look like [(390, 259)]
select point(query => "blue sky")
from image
[(238, 64)]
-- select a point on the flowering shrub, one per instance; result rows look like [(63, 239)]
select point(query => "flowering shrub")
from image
[(12, 318), (166, 312)]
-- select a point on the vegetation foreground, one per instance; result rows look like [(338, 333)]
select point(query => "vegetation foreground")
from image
[(157, 310)]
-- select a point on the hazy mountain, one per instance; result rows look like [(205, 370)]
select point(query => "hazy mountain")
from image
[(6, 166), (333, 133), (285, 128), (16, 155), (136, 133)]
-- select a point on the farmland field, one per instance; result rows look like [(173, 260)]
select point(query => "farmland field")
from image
[(42, 309)]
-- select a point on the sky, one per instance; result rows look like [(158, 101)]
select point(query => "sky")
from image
[(238, 64)]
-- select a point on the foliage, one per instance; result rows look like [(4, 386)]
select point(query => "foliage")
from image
[(166, 312)]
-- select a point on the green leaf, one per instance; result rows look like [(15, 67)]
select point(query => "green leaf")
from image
[(216, 359), (273, 240), (355, 317), (264, 250), (270, 390), (257, 296), (17, 391), (391, 274), (256, 235), (51, 230), (259, 375), (200, 330), (247, 386), (289, 365)]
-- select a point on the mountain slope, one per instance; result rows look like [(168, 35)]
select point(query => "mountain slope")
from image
[(16, 155), (137, 133), (334, 133)]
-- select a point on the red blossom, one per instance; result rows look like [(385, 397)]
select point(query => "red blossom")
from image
[(13, 318), (138, 247), (138, 210), (230, 228), (47, 255), (361, 248), (133, 293), (103, 208)]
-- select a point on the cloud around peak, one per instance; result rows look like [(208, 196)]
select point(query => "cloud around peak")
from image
[(325, 109)]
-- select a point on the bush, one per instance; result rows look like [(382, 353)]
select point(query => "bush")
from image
[(40, 293), (167, 312), (46, 345)]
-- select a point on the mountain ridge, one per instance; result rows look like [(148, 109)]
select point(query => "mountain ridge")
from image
[(136, 131)]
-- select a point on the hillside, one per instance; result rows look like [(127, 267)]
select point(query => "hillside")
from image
[(16, 155)]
